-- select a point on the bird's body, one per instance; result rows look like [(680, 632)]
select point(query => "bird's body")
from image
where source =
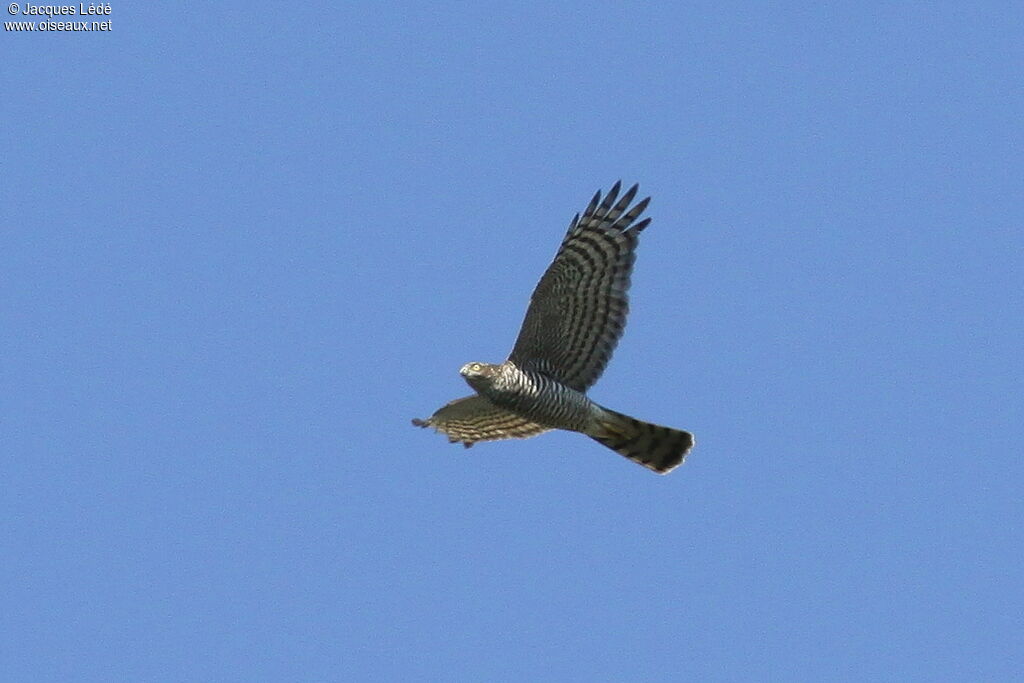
[(575, 319), (533, 395)]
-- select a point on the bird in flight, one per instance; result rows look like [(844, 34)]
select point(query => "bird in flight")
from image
[(576, 316)]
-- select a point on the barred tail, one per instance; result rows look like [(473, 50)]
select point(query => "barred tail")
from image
[(661, 449)]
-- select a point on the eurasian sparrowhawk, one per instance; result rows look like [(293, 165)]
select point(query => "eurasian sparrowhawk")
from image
[(575, 319)]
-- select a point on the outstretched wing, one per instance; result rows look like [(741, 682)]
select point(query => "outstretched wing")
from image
[(578, 311), (474, 418)]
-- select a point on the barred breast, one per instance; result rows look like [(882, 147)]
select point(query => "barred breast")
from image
[(537, 397)]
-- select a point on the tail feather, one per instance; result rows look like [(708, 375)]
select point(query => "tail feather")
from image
[(658, 448)]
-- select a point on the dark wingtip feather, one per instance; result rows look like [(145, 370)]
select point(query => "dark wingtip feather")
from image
[(628, 197), (639, 227), (609, 198), (572, 224)]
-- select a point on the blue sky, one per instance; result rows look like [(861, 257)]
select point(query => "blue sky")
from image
[(243, 245)]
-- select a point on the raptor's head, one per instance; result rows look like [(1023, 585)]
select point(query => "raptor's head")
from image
[(479, 375)]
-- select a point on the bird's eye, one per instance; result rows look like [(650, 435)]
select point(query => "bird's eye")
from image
[(476, 367)]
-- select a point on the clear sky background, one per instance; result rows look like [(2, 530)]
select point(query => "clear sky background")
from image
[(242, 245)]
